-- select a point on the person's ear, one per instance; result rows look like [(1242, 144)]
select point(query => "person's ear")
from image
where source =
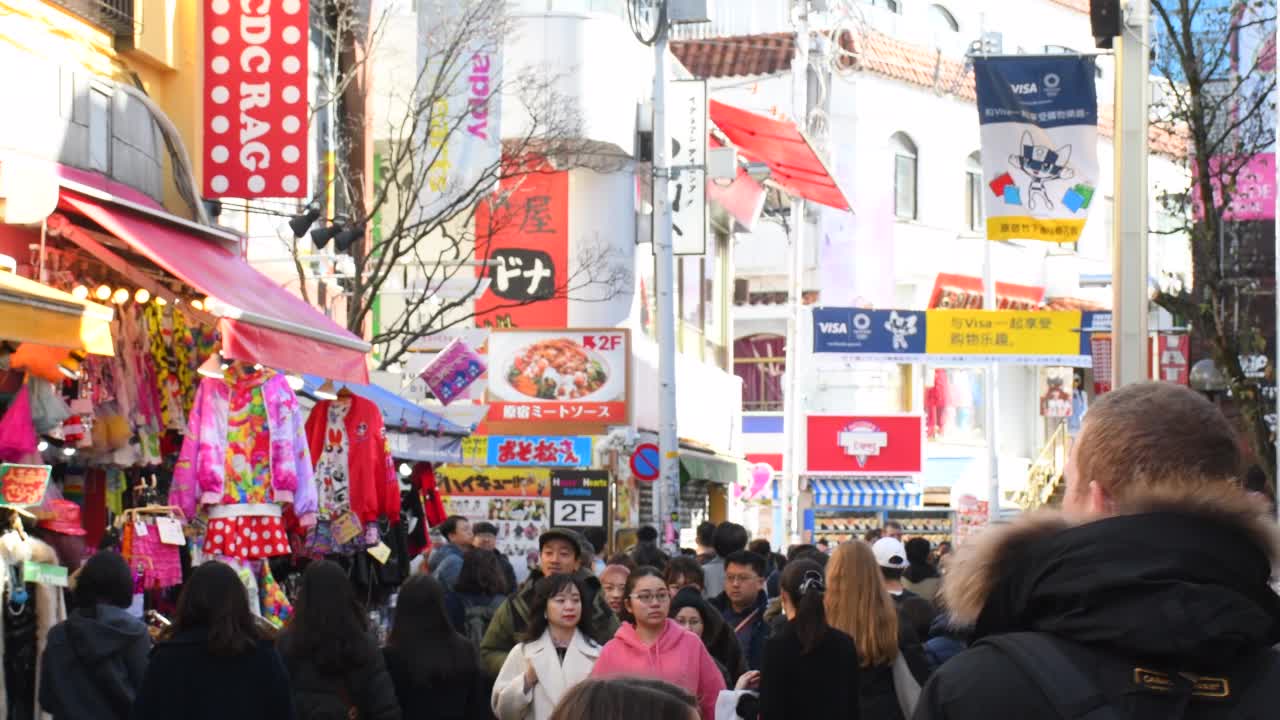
[(1100, 502)]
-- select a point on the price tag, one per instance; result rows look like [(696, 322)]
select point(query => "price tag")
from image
[(140, 528), (380, 552), (170, 531), (44, 574), (346, 527)]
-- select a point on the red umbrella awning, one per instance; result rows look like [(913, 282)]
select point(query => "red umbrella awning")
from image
[(794, 164)]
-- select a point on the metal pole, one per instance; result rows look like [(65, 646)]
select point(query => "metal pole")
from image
[(666, 500), (793, 412), (991, 394), (1130, 361)]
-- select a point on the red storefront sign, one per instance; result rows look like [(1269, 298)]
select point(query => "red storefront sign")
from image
[(526, 236), (255, 102), (866, 444), (559, 377), (965, 292), (1175, 358)]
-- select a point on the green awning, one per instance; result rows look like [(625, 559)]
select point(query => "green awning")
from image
[(710, 468)]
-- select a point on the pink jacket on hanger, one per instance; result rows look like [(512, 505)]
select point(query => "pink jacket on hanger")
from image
[(199, 478)]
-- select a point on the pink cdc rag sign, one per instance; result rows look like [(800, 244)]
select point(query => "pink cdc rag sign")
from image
[(453, 371), (1254, 197)]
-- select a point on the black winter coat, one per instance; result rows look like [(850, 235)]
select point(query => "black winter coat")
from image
[(820, 684), (320, 696), (465, 697), (1181, 587), (185, 681), (93, 665)]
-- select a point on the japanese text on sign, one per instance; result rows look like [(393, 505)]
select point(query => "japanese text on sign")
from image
[(508, 482), (539, 451)]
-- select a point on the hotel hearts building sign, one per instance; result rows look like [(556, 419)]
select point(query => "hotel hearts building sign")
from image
[(255, 101)]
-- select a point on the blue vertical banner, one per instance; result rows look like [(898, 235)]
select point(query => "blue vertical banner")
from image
[(1039, 120)]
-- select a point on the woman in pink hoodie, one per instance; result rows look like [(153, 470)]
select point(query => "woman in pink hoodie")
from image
[(649, 644)]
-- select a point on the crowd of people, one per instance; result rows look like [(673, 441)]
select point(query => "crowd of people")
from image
[(1148, 596)]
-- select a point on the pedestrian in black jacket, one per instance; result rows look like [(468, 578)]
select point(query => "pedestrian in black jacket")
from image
[(810, 668), (1148, 597), (214, 662), (334, 663), (743, 604), (436, 671), (94, 661)]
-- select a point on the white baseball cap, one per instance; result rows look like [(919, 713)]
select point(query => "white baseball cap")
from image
[(890, 553)]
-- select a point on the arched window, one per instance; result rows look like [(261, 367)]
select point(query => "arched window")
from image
[(941, 18), (973, 211), (905, 165)]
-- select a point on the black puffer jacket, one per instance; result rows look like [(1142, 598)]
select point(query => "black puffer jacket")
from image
[(320, 696), (1181, 587), (94, 664)]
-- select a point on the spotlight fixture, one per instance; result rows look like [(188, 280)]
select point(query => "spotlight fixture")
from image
[(103, 293), (80, 292), (68, 451), (215, 366), (321, 236), (42, 446), (296, 382), (345, 239), (70, 365), (302, 222), (326, 391), (142, 296), (405, 470), (120, 296), (197, 304), (161, 302)]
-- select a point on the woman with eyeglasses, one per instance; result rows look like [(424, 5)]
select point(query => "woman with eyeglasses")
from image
[(650, 644)]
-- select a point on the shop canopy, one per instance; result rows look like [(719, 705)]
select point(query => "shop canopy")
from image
[(793, 163), (414, 433), (259, 320), (34, 313), (866, 492), (712, 468)]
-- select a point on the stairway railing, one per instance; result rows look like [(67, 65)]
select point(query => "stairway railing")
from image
[(1045, 474)]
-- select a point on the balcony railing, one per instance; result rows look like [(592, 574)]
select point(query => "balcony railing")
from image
[(114, 16)]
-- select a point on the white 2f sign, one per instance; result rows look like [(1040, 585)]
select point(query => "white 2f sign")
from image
[(577, 513)]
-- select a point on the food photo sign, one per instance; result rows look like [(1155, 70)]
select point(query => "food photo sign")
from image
[(560, 377)]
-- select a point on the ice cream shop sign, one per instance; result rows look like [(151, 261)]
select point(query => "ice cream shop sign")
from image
[(255, 103)]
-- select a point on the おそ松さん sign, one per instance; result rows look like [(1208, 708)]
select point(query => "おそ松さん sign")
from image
[(866, 445), (1039, 119), (255, 101), (560, 377)]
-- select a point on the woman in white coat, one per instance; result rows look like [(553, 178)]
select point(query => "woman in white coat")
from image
[(558, 652)]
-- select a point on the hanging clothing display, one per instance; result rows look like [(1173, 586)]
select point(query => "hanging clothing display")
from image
[(30, 611), (244, 456)]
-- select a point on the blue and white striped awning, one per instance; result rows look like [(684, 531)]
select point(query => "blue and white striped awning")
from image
[(866, 492)]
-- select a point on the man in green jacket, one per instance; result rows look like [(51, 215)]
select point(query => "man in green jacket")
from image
[(559, 552)]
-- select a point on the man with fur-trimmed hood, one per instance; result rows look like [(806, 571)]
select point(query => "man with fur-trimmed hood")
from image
[(1147, 596)]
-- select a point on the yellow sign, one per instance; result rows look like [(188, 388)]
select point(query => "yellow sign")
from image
[(475, 450), (1025, 227), (505, 482), (1037, 333)]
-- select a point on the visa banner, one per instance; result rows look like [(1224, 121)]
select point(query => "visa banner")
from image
[(1039, 120)]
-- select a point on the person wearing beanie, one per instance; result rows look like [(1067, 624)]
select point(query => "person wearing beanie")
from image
[(695, 614)]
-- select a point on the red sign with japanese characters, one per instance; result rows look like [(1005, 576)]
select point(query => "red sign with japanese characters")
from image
[(524, 232), (1175, 358), (255, 102), (570, 376), (866, 444)]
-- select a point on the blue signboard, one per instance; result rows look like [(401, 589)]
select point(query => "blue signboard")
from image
[(540, 451), (852, 331)]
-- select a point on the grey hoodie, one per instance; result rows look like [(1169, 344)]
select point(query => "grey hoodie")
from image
[(93, 665)]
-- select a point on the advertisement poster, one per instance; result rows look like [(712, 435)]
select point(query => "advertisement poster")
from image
[(687, 187), (1055, 392), (452, 371), (1039, 121), (972, 515), (569, 376), (524, 232), (866, 445), (255, 103), (580, 499), (519, 521), (483, 481), (880, 332)]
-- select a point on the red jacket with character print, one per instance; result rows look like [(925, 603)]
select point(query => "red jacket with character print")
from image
[(374, 489)]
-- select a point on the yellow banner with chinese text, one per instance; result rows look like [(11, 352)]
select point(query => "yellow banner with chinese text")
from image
[(1025, 227), (963, 333)]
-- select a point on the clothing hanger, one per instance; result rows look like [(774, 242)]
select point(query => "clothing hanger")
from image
[(345, 393)]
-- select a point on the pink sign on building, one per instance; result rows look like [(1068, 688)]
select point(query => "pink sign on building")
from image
[(453, 371), (1254, 196)]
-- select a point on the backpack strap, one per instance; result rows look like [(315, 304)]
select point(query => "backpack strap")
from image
[(1072, 693)]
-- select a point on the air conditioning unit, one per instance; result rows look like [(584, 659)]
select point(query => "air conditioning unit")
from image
[(683, 12)]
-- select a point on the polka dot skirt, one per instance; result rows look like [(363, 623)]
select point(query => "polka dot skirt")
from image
[(246, 538)]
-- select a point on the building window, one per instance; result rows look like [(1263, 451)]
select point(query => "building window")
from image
[(100, 130), (973, 210), (905, 165), (954, 405), (941, 18), (761, 362), (115, 16)]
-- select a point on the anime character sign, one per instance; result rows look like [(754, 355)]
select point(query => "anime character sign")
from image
[(1039, 122)]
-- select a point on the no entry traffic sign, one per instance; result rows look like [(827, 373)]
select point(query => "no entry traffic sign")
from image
[(645, 462)]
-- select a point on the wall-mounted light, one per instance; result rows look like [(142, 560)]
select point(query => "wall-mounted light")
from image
[(302, 222), (80, 292), (120, 296), (103, 293)]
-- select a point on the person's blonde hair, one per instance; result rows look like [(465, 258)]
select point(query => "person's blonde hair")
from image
[(858, 604)]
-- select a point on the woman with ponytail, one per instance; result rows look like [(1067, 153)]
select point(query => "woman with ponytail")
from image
[(810, 669)]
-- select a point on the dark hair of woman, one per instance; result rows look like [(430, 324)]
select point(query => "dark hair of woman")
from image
[(646, 554), (214, 599), (919, 567), (637, 575), (802, 581), (547, 588), (422, 634), (105, 579), (328, 626), (626, 698), (481, 574)]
